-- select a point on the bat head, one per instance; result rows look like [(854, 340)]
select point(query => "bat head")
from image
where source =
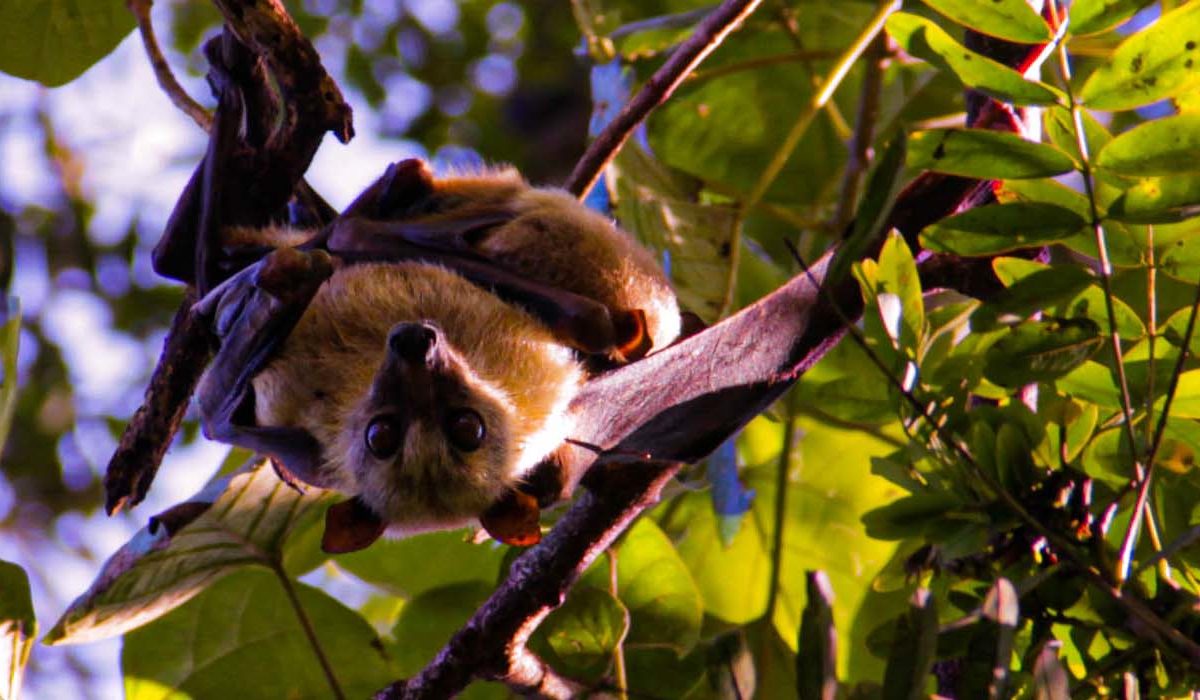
[(432, 440)]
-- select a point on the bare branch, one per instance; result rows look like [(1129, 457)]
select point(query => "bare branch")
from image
[(162, 71)]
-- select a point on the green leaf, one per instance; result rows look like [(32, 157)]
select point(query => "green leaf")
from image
[(1095, 16), (428, 621), (1186, 403), (1159, 200), (660, 207), (10, 337), (1039, 351), (997, 228), (1031, 287), (989, 654), (1181, 259), (445, 558), (816, 658), (1060, 129), (234, 522), (1093, 382), (18, 627), (910, 516), (897, 274), (914, 648), (1165, 146), (883, 184), (54, 41), (1153, 64), (242, 638), (826, 506), (583, 633), (657, 588), (924, 39), (987, 155), (1004, 19)]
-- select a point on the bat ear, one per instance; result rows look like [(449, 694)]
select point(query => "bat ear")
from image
[(403, 187), (513, 520), (350, 526)]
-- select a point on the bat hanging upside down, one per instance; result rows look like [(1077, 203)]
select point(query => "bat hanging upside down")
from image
[(420, 352)]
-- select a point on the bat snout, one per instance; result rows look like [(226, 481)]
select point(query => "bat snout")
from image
[(415, 343)]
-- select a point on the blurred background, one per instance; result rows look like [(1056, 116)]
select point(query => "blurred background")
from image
[(89, 173)]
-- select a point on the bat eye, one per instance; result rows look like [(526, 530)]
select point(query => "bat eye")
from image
[(383, 436), (465, 430)]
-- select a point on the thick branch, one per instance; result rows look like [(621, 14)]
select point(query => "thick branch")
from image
[(709, 35)]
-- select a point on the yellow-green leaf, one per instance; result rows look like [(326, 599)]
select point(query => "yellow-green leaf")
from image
[(988, 155), (1167, 146), (1005, 19), (1154, 64), (924, 39)]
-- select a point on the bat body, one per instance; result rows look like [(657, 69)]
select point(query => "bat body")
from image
[(427, 384)]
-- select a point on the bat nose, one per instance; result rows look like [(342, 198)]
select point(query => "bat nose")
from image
[(413, 342)]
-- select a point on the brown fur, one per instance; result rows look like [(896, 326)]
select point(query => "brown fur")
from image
[(507, 366)]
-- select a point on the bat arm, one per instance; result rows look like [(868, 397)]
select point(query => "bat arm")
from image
[(251, 314), (577, 321)]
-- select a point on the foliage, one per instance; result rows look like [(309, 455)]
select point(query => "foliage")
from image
[(1000, 492)]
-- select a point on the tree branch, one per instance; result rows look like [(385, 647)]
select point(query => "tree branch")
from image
[(291, 123)]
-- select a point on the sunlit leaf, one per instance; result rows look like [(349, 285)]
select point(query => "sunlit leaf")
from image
[(1093, 382), (1165, 146), (1060, 129), (18, 628), (924, 39), (654, 584), (897, 275), (235, 522), (1181, 259), (1159, 200), (1094, 16), (54, 41), (1151, 65), (826, 505), (989, 155), (1004, 19), (243, 638), (1186, 403), (584, 632), (997, 228), (1038, 351)]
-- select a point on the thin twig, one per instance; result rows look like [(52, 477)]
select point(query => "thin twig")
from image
[(162, 71), (864, 131), (709, 35)]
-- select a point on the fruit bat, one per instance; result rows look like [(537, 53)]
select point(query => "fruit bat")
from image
[(418, 351)]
